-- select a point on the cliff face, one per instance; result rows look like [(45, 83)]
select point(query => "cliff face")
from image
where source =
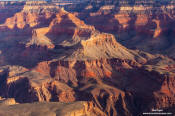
[(49, 54)]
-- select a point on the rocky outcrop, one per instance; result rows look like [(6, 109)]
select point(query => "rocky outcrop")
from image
[(23, 19), (8, 101), (50, 109)]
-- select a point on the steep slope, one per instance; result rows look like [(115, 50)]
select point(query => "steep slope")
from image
[(66, 29), (32, 14)]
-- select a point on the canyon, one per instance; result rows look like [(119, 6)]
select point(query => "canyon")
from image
[(93, 60)]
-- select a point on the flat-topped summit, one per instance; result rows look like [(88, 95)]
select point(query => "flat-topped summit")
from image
[(39, 5)]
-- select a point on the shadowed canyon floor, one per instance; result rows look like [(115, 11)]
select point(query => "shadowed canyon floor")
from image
[(69, 64)]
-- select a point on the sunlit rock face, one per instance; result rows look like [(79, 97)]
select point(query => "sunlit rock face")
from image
[(48, 54)]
